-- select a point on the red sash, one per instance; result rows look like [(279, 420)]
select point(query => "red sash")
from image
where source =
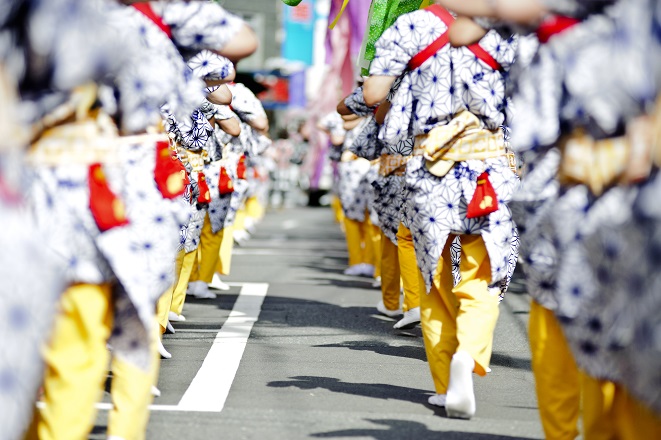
[(148, 12), (441, 41), (554, 25)]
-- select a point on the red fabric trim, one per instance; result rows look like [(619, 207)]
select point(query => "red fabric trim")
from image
[(147, 11), (554, 25), (429, 51), (485, 56), (107, 209), (441, 41), (436, 45)]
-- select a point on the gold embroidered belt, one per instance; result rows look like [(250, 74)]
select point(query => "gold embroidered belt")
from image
[(82, 143), (392, 164), (459, 140)]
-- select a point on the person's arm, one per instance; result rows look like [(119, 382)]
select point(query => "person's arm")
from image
[(391, 58), (221, 96), (527, 12), (243, 44), (343, 110), (230, 126), (376, 89), (470, 8), (349, 125), (350, 117), (259, 123), (464, 32), (515, 11), (381, 113)]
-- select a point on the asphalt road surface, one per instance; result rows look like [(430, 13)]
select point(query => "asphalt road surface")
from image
[(295, 350)]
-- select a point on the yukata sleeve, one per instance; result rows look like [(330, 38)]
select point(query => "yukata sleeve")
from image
[(366, 144), (397, 46), (245, 103), (396, 127), (201, 25), (195, 131), (260, 144), (209, 65), (223, 112), (332, 122), (356, 103), (208, 110)]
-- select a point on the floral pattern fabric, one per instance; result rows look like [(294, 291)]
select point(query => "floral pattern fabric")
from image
[(449, 82)]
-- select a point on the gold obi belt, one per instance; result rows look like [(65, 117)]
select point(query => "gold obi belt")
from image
[(348, 156), (393, 164), (91, 140), (76, 134), (459, 140), (600, 164), (195, 159)]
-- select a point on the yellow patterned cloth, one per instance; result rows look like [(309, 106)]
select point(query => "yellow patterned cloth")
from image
[(624, 160), (392, 164), (459, 140), (196, 160), (595, 163), (74, 134)]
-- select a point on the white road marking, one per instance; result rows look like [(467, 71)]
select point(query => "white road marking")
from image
[(209, 389), (211, 385)]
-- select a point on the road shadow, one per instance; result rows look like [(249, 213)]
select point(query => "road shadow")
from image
[(358, 283), (380, 347), (294, 312), (405, 429), (373, 390), (504, 360)]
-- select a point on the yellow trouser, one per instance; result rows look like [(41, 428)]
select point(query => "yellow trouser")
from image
[(356, 236), (163, 307), (240, 219), (225, 255), (390, 285), (373, 248), (556, 375), (363, 241), (459, 318), (76, 364), (131, 396), (408, 268), (186, 262), (208, 251), (254, 209), (338, 213), (611, 413)]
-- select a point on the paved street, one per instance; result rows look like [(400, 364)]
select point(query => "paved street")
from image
[(318, 362)]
